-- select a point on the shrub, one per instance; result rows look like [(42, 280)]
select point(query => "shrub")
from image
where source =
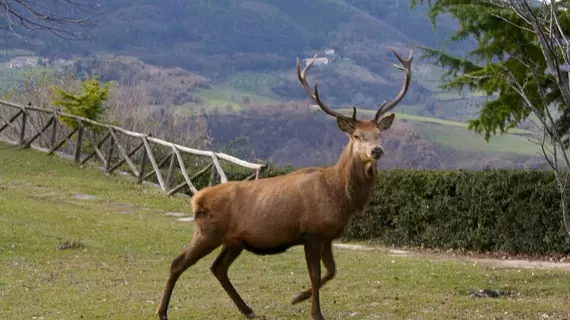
[(88, 103), (491, 210)]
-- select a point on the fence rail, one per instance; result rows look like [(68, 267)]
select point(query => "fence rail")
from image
[(114, 147)]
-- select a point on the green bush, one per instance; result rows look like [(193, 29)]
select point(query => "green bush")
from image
[(491, 210), (88, 103)]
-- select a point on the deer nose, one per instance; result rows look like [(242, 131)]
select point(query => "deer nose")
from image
[(377, 152)]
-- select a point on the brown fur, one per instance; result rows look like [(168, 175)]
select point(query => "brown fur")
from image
[(309, 207), (277, 211)]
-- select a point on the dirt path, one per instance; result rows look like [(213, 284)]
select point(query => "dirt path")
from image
[(502, 263)]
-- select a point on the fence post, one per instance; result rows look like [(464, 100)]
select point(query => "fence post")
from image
[(110, 154), (23, 128), (213, 176), (169, 177), (144, 161), (79, 143), (53, 131), (217, 174)]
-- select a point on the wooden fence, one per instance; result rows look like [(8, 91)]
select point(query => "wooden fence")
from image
[(84, 140)]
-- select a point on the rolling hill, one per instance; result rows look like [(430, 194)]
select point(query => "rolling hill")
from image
[(224, 39), (238, 55)]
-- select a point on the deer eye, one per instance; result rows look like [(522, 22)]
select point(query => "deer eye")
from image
[(357, 137)]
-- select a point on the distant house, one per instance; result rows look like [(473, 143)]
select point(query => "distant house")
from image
[(60, 64), (318, 62), (23, 62), (329, 52)]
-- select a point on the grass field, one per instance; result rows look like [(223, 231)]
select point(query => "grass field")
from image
[(453, 95), (125, 242), (456, 135), (258, 83), (460, 138), (222, 96)]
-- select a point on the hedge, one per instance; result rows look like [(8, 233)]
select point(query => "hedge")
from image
[(491, 210)]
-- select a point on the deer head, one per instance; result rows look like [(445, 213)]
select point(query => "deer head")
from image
[(364, 134)]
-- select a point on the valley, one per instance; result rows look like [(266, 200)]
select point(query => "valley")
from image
[(237, 59)]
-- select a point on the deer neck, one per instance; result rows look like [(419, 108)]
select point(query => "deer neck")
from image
[(356, 179)]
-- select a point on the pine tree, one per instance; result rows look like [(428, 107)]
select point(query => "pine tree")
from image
[(88, 103), (507, 51)]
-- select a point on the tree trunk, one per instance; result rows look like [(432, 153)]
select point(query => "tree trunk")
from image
[(565, 201)]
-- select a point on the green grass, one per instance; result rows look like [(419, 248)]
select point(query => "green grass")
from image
[(460, 138), (129, 243), (445, 95), (258, 83), (408, 109), (14, 52), (11, 78), (454, 95), (456, 135), (222, 96), (415, 118)]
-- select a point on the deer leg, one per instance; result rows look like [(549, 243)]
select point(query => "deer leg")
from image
[(220, 269), (198, 248), (328, 261), (313, 250)]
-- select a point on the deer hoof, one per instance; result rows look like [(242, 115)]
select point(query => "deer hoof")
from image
[(318, 316), (161, 315), (254, 316), (301, 297)]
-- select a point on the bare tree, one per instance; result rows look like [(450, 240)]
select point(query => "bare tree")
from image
[(544, 21), (59, 17)]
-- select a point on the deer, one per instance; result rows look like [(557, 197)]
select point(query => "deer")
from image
[(309, 207)]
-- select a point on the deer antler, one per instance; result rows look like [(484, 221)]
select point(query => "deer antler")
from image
[(407, 68), (302, 76)]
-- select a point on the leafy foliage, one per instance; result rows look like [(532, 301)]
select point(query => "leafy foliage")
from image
[(88, 103), (491, 210), (506, 51)]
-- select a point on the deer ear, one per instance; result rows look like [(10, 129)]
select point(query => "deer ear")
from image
[(345, 126), (385, 122)]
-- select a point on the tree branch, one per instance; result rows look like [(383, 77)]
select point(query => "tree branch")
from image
[(48, 16)]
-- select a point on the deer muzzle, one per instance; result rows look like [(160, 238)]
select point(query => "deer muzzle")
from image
[(377, 153)]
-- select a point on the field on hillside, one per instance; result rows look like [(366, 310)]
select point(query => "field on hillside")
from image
[(449, 133), (78, 244), (226, 95), (240, 89), (456, 135)]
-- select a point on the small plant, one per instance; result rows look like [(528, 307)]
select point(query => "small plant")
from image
[(88, 103)]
